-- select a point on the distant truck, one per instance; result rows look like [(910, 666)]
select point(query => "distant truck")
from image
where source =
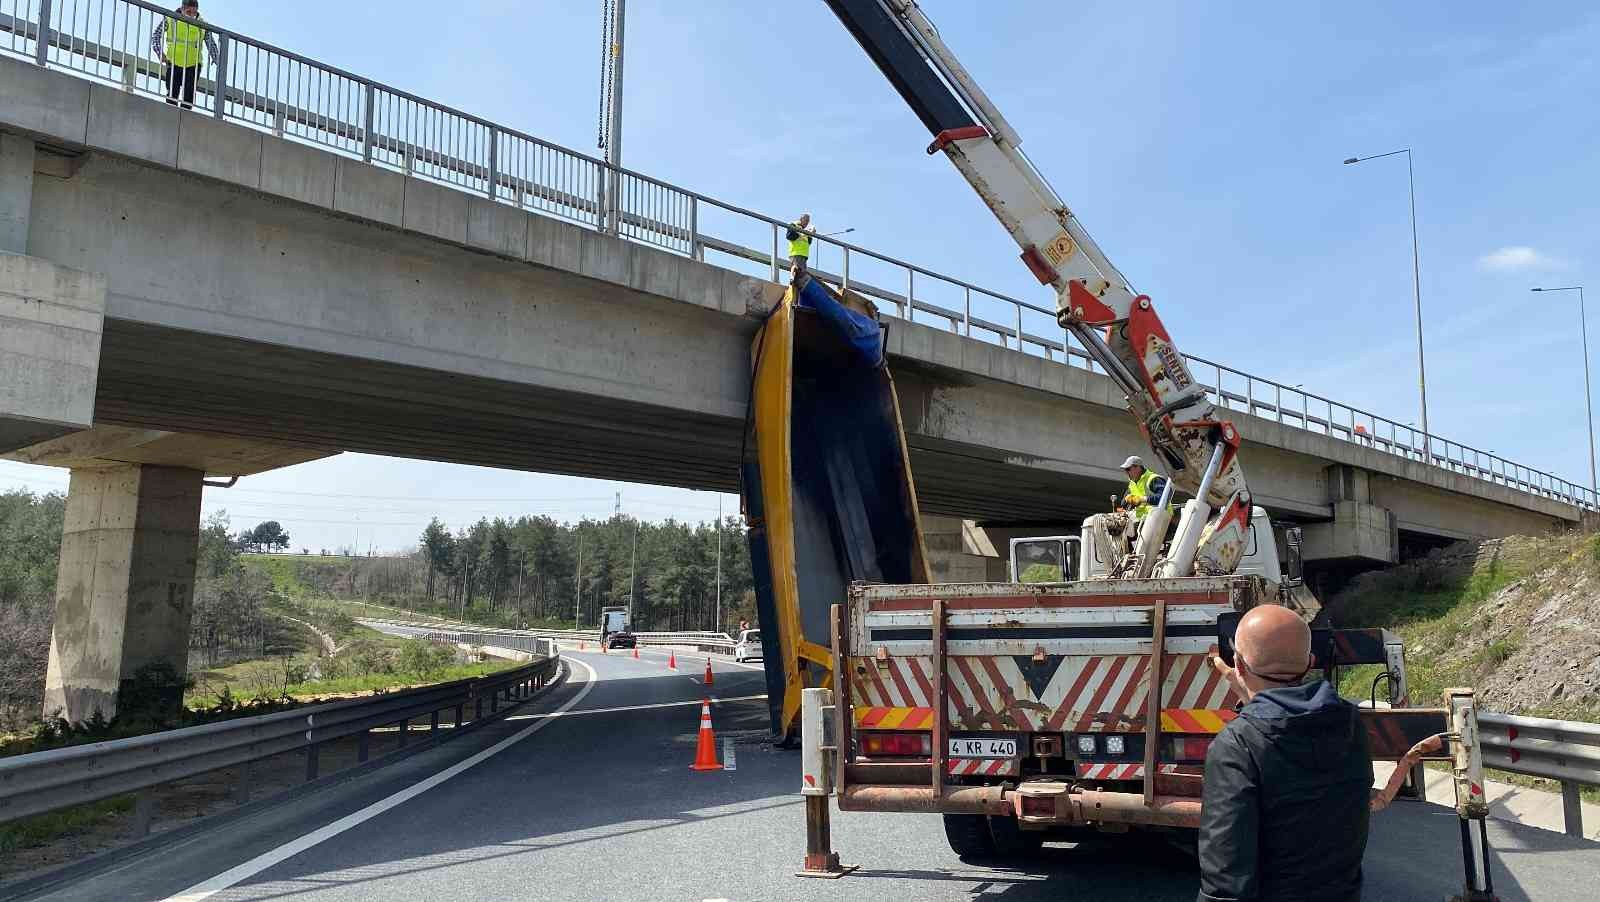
[(615, 630)]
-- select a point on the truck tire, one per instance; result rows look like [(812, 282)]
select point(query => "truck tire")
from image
[(1011, 841), (968, 835)]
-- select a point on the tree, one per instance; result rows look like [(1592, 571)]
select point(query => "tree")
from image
[(267, 536), (437, 546)]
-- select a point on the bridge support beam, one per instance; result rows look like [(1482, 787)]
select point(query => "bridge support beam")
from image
[(16, 192), (1361, 532), (124, 592), (51, 322)]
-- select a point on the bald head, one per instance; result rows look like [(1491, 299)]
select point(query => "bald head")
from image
[(1274, 642)]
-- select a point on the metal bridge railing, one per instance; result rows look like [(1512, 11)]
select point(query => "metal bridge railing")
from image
[(269, 88)]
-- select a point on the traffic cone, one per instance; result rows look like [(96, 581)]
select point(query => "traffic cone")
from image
[(709, 678), (705, 752), (672, 660), (636, 652), (580, 646)]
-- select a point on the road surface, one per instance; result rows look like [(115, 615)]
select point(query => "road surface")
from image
[(597, 803)]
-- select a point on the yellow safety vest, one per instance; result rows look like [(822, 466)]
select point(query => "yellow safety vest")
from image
[(183, 42), (800, 246), (1141, 488)]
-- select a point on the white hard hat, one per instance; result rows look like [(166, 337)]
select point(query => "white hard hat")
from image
[(1132, 461)]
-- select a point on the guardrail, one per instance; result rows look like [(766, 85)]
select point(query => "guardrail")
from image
[(46, 781), (272, 89), (1564, 750), (505, 637)]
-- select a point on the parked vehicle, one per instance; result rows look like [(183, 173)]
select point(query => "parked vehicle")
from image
[(748, 646)]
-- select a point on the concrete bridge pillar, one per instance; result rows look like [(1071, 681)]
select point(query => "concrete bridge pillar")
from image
[(125, 591), (16, 192), (1361, 532), (952, 558)]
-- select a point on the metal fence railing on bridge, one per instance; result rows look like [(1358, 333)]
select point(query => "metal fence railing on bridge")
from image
[(256, 84)]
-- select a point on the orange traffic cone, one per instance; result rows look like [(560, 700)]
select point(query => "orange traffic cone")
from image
[(705, 752), (580, 646), (672, 660), (709, 678), (636, 652)]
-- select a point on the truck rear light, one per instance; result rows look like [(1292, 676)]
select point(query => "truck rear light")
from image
[(903, 745), (1086, 745), (1116, 745), (1188, 749)]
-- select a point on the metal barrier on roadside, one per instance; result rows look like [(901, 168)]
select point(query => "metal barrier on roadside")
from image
[(1564, 750), (265, 87), (46, 781)]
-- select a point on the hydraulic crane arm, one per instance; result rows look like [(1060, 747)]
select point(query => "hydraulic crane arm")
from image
[(1118, 327)]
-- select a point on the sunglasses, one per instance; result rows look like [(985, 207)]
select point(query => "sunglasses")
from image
[(1244, 666)]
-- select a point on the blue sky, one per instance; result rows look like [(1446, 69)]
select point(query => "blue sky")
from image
[(1200, 143)]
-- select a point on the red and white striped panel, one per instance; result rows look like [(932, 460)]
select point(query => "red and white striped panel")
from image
[(1131, 771), (1088, 693), (982, 767), (906, 682)]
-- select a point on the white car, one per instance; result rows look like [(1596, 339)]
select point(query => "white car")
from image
[(748, 646)]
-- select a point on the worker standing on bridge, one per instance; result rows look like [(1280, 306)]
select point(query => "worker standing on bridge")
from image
[(1284, 814), (799, 238), (176, 41)]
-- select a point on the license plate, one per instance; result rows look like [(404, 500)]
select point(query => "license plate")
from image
[(983, 748)]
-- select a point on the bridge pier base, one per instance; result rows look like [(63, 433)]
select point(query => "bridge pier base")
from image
[(124, 591)]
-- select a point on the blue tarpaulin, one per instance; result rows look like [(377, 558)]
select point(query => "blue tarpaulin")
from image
[(861, 331)]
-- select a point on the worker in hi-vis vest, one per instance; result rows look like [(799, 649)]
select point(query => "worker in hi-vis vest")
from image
[(1144, 487), (799, 249), (177, 41)]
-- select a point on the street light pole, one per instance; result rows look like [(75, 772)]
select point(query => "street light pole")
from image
[(1588, 403), (829, 235), (718, 625), (1416, 290)]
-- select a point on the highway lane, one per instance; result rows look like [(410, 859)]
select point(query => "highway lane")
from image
[(600, 804)]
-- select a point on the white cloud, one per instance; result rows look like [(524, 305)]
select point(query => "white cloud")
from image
[(1516, 257)]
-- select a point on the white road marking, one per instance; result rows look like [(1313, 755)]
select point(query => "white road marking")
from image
[(235, 875), (587, 711)]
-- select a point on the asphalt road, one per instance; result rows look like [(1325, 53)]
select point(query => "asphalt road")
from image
[(599, 803)]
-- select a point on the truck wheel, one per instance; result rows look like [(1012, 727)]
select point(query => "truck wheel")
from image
[(1011, 841), (968, 835)]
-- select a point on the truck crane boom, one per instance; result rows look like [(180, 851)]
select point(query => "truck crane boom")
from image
[(1117, 326)]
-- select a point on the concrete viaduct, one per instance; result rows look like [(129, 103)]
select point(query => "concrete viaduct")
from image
[(182, 297)]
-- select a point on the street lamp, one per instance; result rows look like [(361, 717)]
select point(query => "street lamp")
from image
[(830, 235), (1588, 405), (1416, 289)]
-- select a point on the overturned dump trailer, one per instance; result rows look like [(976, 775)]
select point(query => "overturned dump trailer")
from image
[(825, 481)]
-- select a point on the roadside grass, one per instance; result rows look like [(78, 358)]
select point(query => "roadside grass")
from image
[(40, 829)]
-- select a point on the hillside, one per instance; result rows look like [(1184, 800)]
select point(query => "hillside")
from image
[(1517, 618)]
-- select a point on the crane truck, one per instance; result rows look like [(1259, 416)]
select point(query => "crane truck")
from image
[(1025, 710)]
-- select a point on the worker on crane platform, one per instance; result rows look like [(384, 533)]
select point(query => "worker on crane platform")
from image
[(1144, 487)]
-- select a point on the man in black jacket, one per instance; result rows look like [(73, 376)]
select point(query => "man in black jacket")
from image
[(1287, 781)]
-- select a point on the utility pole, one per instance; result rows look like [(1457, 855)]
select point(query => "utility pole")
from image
[(577, 587), (633, 564), (612, 29), (718, 625)]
